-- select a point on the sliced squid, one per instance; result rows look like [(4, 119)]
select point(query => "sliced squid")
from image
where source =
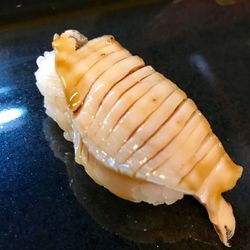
[(136, 133)]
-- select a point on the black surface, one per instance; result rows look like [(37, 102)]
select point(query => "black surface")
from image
[(48, 202), (12, 11)]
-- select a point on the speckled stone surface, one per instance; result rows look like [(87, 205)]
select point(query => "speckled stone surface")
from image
[(48, 202)]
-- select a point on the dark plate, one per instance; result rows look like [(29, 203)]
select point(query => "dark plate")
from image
[(46, 200)]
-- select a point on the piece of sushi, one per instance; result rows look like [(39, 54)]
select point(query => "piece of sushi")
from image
[(135, 132)]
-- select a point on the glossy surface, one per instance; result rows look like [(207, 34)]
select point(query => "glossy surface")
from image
[(209, 59)]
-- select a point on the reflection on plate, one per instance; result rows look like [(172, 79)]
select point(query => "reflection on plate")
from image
[(141, 223)]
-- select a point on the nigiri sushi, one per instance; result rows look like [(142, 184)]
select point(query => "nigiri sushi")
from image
[(134, 131)]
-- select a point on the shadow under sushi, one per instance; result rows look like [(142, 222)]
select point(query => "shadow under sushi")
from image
[(137, 222)]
